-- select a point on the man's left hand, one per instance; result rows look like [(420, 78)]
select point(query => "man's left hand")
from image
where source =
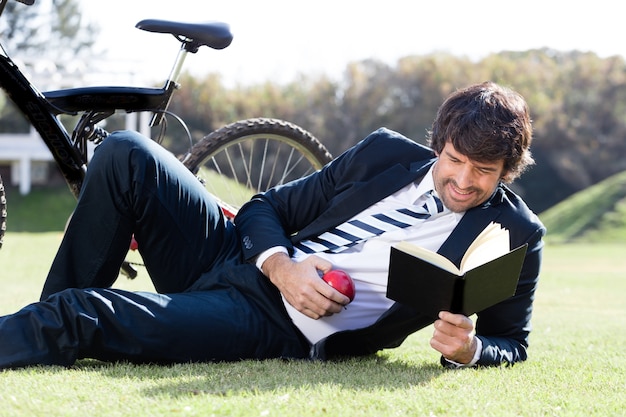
[(454, 337)]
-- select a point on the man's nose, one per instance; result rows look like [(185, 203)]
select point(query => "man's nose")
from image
[(465, 177)]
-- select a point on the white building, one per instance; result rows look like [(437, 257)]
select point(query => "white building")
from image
[(24, 158), (30, 160)]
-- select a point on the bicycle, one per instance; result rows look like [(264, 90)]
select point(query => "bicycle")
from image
[(244, 157)]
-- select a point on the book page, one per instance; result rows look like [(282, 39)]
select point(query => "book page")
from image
[(429, 256), (490, 244)]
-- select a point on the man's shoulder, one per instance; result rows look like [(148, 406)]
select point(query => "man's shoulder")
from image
[(516, 211), (385, 140), (384, 133)]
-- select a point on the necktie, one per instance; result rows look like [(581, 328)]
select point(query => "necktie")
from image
[(360, 229)]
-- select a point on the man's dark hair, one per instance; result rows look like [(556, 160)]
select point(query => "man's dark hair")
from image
[(486, 122)]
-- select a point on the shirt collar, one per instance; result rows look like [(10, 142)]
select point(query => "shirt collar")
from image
[(427, 183)]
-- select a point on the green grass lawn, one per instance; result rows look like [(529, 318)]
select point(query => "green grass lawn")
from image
[(577, 364)]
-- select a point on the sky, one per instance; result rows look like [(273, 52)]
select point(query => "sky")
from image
[(278, 39)]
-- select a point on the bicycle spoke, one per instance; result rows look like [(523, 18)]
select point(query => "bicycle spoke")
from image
[(287, 172), (262, 169), (254, 155)]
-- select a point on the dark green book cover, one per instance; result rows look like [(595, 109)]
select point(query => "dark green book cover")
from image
[(430, 289)]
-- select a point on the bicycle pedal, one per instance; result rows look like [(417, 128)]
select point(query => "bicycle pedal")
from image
[(128, 270)]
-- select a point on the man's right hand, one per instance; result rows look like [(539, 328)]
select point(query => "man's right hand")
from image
[(300, 284)]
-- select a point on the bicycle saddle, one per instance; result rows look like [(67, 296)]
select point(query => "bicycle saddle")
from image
[(215, 35)]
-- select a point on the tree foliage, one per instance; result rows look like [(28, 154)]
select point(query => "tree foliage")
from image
[(577, 101), (50, 37), (49, 29)]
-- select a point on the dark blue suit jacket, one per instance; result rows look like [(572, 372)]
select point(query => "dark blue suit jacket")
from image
[(376, 167)]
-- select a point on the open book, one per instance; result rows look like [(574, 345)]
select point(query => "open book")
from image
[(430, 283)]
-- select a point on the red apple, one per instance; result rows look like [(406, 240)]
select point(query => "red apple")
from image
[(340, 281), (133, 243)]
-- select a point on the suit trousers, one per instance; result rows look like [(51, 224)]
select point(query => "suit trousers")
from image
[(209, 305)]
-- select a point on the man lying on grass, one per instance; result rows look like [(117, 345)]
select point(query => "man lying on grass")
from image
[(252, 289)]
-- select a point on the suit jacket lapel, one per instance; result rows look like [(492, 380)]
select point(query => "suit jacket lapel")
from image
[(362, 195), (472, 223), (399, 320)]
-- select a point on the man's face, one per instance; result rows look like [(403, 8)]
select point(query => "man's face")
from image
[(463, 183)]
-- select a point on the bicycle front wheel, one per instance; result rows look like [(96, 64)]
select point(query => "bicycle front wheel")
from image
[(3, 212), (253, 155)]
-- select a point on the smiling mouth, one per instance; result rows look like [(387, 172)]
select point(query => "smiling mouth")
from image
[(458, 191)]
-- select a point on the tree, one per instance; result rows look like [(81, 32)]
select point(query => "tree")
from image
[(49, 33), (49, 30)]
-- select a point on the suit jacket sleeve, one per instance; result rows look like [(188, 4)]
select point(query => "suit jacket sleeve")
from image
[(346, 186), (349, 184), (504, 328)]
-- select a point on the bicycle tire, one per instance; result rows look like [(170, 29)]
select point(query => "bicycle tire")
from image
[(3, 212), (250, 156)]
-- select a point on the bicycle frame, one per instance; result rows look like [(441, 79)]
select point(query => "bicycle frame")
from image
[(41, 110), (231, 142), (98, 103), (37, 109)]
